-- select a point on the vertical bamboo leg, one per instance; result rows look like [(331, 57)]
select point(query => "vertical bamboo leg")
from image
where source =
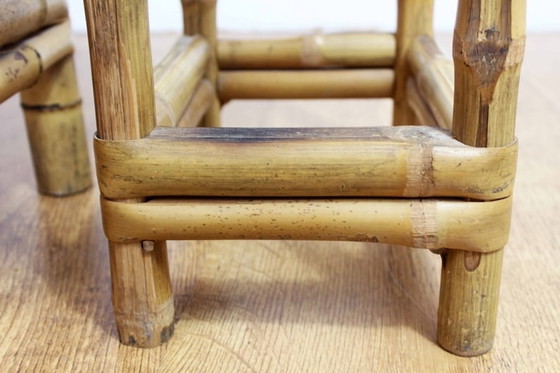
[(414, 18), (55, 128), (199, 17), (470, 284), (125, 107), (142, 294), (488, 50)]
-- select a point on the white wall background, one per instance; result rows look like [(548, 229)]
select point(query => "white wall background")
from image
[(299, 15)]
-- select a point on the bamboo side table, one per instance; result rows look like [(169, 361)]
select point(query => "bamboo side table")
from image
[(440, 179), (36, 60)]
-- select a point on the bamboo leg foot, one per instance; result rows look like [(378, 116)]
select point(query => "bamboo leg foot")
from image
[(468, 304), (142, 295), (55, 128)]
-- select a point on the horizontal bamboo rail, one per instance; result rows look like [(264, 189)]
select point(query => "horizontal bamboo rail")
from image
[(21, 67), (418, 105), (407, 161), (309, 51), (19, 18), (199, 104), (177, 76), (277, 84), (434, 78), (429, 224)]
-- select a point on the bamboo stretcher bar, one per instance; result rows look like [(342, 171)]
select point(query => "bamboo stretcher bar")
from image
[(309, 51), (355, 83), (21, 67), (19, 18), (429, 224), (434, 78), (418, 105), (177, 76), (407, 161), (199, 104)]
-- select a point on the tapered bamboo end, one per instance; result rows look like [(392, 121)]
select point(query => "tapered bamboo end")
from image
[(146, 332)]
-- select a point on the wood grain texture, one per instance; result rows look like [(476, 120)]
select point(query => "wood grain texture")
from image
[(277, 306)]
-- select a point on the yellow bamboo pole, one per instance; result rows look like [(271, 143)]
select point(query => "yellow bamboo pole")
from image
[(384, 161), (433, 73), (21, 67), (124, 98), (177, 76), (309, 51), (278, 84), (414, 18), (429, 224), (199, 18), (198, 105), (19, 18), (418, 105), (55, 129), (488, 51)]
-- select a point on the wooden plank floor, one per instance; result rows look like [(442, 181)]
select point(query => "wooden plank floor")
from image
[(277, 306)]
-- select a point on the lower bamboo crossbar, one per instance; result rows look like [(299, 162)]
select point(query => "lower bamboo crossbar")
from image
[(405, 161), (433, 73), (177, 76), (429, 224), (355, 83), (21, 67), (309, 51)]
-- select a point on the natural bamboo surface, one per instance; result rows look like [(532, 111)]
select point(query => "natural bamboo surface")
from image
[(277, 306), (285, 84), (311, 50), (403, 161)]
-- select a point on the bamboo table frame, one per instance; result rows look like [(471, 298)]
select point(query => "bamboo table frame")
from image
[(36, 60), (447, 189)]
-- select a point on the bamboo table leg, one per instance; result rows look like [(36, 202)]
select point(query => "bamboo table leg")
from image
[(488, 50), (55, 129), (199, 17), (414, 18), (125, 108), (142, 294)]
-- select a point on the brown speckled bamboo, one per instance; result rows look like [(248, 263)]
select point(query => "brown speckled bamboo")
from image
[(21, 67), (430, 224), (373, 162), (19, 18)]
